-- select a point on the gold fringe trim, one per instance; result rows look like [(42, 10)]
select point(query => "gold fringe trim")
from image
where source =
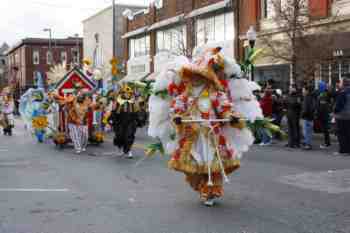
[(191, 167)]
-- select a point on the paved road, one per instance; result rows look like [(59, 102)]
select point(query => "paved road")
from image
[(43, 190)]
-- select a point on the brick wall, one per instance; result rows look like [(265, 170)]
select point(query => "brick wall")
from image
[(24, 61)]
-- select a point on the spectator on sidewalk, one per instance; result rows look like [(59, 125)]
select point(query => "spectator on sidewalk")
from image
[(266, 106), (293, 106), (307, 114), (323, 113), (277, 111), (342, 116), (277, 107)]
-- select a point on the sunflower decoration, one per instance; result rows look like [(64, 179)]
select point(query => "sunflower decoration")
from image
[(87, 62), (59, 138), (98, 137), (40, 123)]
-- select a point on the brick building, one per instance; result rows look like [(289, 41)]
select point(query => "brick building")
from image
[(152, 36), (32, 55), (174, 27), (326, 18), (98, 33)]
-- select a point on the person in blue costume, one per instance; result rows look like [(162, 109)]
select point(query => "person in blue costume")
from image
[(39, 118)]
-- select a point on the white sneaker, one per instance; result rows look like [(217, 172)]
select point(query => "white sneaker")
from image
[(130, 155), (119, 152), (323, 147), (265, 144), (83, 150), (78, 151), (209, 202)]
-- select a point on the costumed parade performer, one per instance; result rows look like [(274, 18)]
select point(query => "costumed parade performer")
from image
[(199, 112), (124, 120), (6, 111), (34, 108), (40, 119), (77, 108)]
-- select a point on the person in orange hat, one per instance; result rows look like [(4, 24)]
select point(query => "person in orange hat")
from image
[(192, 113)]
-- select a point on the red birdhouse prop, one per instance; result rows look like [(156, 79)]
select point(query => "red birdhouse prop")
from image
[(74, 81)]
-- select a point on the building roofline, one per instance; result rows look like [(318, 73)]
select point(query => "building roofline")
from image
[(110, 7), (33, 40)]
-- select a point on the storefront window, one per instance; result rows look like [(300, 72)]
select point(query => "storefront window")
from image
[(279, 74), (216, 28), (139, 46), (172, 40)]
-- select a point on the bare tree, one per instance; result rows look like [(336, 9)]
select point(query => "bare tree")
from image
[(299, 46)]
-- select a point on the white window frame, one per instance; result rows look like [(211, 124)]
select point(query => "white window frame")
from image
[(208, 24), (48, 58), (158, 4), (63, 56), (139, 46), (75, 55), (169, 40), (36, 57)]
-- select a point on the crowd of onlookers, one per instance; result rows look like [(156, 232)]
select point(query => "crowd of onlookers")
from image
[(311, 108)]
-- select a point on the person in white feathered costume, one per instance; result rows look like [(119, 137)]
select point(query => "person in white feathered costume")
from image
[(198, 112)]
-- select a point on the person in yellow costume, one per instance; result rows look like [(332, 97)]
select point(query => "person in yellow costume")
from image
[(124, 120)]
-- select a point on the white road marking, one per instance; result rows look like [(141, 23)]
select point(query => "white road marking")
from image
[(13, 164), (3, 150), (32, 190)]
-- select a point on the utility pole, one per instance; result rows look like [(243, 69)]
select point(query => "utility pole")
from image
[(50, 45), (114, 29), (114, 62), (78, 48)]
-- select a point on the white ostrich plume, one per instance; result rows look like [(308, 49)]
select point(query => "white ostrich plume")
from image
[(56, 73)]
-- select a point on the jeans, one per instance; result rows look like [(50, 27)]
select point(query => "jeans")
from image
[(307, 132), (264, 136)]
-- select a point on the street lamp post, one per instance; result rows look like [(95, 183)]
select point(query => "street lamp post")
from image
[(338, 55), (251, 36), (50, 44), (114, 29), (78, 49)]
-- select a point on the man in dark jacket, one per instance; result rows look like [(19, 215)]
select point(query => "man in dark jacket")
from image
[(293, 106), (342, 116), (323, 113), (307, 114)]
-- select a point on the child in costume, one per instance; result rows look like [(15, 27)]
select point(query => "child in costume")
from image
[(6, 112), (124, 119), (198, 112)]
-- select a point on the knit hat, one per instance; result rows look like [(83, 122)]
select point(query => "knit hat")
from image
[(322, 86)]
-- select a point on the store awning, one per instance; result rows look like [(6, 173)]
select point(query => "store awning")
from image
[(166, 22), (135, 32), (134, 77), (208, 9)]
